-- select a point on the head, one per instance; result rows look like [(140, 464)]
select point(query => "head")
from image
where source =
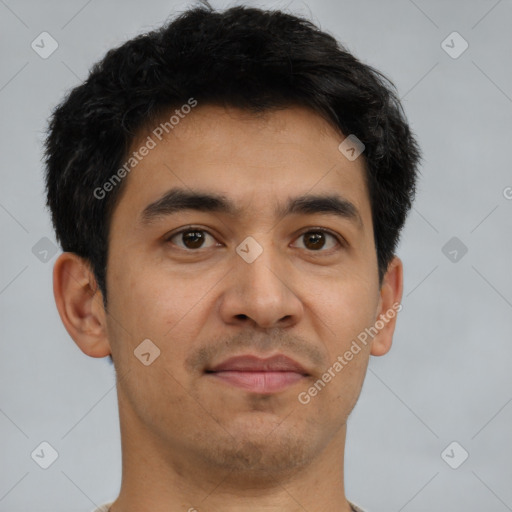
[(241, 114)]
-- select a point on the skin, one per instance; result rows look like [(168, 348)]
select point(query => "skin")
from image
[(190, 442)]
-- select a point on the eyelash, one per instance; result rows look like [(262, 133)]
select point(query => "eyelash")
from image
[(341, 241)]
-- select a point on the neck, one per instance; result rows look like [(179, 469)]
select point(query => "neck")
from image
[(162, 476)]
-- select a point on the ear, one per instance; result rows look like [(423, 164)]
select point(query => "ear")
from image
[(80, 304), (389, 305)]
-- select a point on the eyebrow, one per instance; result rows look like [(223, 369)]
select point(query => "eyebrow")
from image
[(179, 199)]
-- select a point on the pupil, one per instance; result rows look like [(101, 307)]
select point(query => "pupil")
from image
[(315, 238), (193, 239)]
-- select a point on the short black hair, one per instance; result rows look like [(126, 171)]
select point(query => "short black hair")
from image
[(244, 57)]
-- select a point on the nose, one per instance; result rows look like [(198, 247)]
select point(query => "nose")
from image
[(261, 293)]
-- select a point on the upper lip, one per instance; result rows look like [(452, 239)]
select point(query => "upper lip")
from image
[(251, 363)]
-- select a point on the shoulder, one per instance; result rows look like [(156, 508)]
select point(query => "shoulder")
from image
[(355, 508), (104, 508)]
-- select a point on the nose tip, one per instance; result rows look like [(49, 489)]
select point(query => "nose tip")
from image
[(260, 291), (266, 324)]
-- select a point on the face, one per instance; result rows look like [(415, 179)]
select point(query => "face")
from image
[(250, 271)]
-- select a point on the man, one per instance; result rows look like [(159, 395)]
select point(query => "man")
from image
[(229, 192)]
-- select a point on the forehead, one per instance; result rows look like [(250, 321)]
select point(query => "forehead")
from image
[(257, 161)]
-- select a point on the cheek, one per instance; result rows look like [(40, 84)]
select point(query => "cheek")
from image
[(347, 307), (163, 305), (144, 305)]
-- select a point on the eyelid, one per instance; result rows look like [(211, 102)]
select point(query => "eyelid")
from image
[(341, 241), (184, 229)]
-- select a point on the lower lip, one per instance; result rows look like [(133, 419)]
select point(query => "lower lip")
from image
[(259, 382)]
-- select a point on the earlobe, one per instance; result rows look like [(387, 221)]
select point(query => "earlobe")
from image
[(80, 304), (389, 305)]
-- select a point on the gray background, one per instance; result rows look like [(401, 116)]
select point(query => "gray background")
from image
[(447, 377)]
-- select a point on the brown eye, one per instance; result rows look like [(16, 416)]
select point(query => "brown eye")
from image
[(191, 238), (315, 240)]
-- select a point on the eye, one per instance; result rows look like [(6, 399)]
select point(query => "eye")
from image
[(315, 240), (191, 238)]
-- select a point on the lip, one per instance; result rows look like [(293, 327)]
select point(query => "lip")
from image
[(251, 363), (259, 375)]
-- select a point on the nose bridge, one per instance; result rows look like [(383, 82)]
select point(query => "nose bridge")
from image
[(259, 269), (259, 288), (261, 262)]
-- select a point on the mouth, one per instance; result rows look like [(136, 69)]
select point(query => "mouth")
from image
[(258, 375)]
